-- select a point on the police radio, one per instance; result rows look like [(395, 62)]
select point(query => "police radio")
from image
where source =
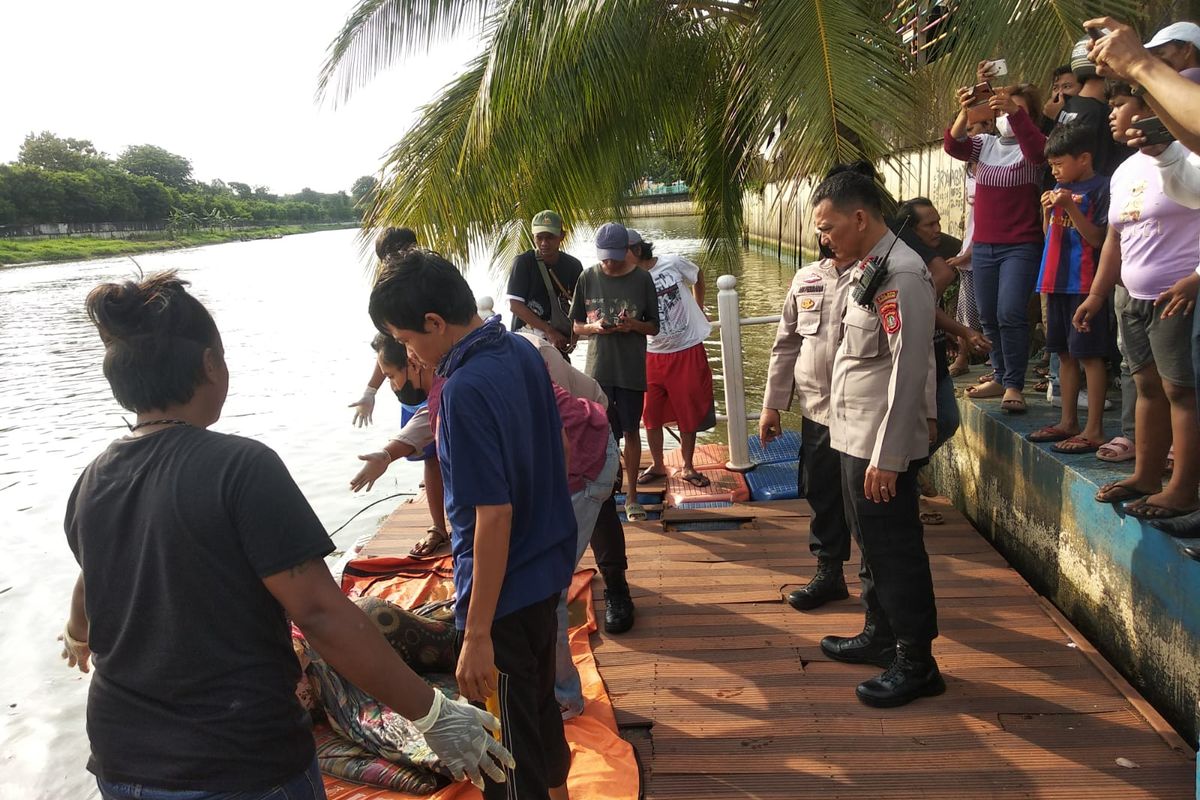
[(874, 273)]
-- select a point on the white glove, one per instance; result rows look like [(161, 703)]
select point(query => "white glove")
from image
[(459, 734), (364, 407)]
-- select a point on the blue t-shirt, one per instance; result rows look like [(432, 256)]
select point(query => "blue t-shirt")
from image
[(1070, 262), (500, 441)]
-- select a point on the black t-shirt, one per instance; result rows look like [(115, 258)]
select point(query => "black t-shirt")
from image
[(1093, 114), (526, 285), (195, 676)]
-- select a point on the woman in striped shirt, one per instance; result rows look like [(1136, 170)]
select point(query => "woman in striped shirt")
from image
[(1007, 246)]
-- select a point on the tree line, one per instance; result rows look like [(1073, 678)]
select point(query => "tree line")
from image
[(57, 179)]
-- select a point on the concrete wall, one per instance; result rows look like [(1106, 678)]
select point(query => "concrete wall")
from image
[(656, 207), (1127, 586), (780, 216)]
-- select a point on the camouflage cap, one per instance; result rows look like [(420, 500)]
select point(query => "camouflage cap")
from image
[(547, 222)]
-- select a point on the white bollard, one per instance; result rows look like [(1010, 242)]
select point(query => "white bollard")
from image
[(731, 365), (485, 305)]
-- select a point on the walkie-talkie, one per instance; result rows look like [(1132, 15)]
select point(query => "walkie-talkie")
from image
[(872, 277)]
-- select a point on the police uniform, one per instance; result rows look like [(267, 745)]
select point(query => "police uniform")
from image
[(882, 395), (802, 366)]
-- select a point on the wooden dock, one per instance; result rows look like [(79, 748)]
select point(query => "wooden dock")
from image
[(725, 693)]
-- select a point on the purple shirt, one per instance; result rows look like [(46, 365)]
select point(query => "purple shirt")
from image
[(1160, 239)]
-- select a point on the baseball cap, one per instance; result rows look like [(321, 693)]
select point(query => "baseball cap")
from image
[(612, 240), (634, 237), (1176, 32), (547, 222)]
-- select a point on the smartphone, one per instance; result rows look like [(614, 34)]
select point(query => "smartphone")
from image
[(980, 92), (997, 68), (1096, 33), (608, 323), (1154, 130)]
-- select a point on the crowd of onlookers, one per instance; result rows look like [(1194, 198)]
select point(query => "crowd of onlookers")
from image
[(1087, 203)]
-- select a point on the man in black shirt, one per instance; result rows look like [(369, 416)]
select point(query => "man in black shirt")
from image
[(542, 283), (1089, 108)]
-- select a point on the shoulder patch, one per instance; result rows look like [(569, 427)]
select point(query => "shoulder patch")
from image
[(889, 315), (886, 297), (807, 304)]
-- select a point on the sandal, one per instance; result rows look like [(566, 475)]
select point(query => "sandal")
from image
[(983, 392), (1077, 445), (694, 478), (1115, 492), (434, 541), (987, 377), (1050, 433), (1116, 450), (932, 518), (1014, 406), (634, 511), (649, 477), (957, 370), (1153, 511)]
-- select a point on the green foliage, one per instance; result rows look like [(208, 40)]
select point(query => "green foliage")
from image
[(363, 191), (572, 101), (154, 162), (48, 151)]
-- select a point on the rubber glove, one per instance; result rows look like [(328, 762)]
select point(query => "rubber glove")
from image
[(459, 734), (364, 407)]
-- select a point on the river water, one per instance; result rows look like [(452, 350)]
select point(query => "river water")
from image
[(292, 314)]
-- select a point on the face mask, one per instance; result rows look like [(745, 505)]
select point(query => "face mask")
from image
[(1004, 127)]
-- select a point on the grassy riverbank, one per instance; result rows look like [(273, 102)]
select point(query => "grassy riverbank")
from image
[(25, 251)]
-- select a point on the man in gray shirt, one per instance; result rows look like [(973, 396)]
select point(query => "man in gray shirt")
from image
[(882, 420)]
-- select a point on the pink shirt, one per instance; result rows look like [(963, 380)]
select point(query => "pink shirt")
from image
[(588, 432), (1160, 239)]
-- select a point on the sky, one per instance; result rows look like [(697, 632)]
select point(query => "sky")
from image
[(228, 85)]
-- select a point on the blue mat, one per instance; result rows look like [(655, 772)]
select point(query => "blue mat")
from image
[(785, 448), (644, 499), (774, 481), (706, 504)]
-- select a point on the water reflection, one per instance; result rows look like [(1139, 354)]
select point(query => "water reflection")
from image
[(292, 316)]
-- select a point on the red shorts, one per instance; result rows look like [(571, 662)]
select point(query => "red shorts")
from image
[(679, 388)]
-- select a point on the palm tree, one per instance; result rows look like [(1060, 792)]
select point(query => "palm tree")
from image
[(569, 99)]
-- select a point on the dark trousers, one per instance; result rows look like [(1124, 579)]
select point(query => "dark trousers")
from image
[(608, 540), (821, 482), (897, 587)]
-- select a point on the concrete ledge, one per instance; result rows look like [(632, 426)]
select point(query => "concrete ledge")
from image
[(1130, 588)]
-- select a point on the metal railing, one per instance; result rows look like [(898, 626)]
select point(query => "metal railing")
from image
[(728, 324)]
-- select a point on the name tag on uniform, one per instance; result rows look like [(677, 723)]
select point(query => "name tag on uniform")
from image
[(819, 289)]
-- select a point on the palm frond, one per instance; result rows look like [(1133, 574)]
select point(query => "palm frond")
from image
[(380, 32)]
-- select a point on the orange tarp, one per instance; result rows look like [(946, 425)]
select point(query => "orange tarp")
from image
[(602, 763)]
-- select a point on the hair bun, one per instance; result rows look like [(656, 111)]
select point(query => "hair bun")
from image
[(128, 309)]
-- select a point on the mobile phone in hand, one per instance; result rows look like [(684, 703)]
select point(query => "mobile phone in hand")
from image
[(980, 92), (1154, 131), (1096, 33)]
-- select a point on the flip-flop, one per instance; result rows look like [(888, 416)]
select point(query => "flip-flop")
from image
[(1077, 445), (932, 518), (1152, 511), (634, 512), (1116, 450), (1116, 493), (1050, 433), (957, 371), (696, 479), (1014, 406), (434, 541), (1041, 386), (649, 477)]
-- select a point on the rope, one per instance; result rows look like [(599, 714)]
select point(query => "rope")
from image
[(368, 505)]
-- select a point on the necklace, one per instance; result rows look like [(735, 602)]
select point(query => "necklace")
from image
[(150, 422)]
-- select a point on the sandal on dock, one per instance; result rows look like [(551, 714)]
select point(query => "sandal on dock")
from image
[(694, 478), (435, 541), (1050, 433), (648, 476), (1077, 445), (1116, 450), (1116, 492), (634, 512), (1153, 511)]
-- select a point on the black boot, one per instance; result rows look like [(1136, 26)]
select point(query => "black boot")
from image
[(913, 674), (827, 585), (872, 646), (618, 605)]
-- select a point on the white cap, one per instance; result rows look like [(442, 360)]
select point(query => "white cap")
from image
[(1176, 32)]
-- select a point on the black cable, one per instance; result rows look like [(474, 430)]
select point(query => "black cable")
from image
[(368, 505)]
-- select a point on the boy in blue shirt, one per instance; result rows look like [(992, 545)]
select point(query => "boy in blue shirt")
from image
[(500, 446), (1076, 214)]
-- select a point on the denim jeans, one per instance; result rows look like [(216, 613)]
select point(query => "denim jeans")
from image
[(1005, 275), (587, 501), (307, 785), (948, 417)]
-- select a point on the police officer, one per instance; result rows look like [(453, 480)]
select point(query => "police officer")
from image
[(802, 364), (882, 420)]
